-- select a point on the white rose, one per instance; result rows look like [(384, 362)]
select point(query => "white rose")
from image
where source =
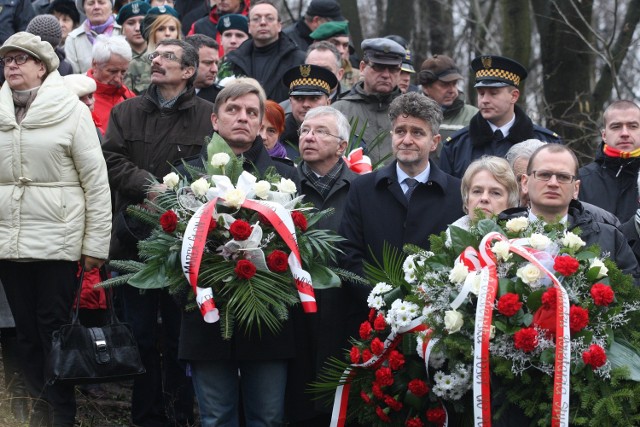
[(234, 198), (501, 249), (603, 270), (529, 273), (171, 180), (287, 186), (539, 241), (458, 273), (572, 241), (453, 321), (200, 187), (476, 284), (262, 189), (516, 225), (220, 159)]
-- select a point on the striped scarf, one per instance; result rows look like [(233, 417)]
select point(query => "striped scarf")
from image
[(614, 152)]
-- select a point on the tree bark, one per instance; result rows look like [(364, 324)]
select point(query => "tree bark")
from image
[(350, 11), (516, 32)]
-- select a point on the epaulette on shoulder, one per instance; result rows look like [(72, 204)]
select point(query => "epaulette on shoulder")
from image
[(456, 135), (546, 131)]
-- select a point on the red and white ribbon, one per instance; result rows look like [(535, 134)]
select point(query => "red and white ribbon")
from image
[(358, 162)]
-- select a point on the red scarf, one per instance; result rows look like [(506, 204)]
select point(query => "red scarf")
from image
[(614, 152)]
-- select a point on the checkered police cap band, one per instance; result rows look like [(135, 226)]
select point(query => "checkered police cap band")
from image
[(499, 74), (307, 81)]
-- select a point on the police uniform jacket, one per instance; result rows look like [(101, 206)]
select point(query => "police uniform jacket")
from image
[(203, 341), (476, 140), (612, 184), (606, 236)]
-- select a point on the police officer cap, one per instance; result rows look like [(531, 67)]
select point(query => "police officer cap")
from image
[(307, 79), (407, 63), (233, 21), (383, 51), (497, 71), (330, 29), (129, 10)]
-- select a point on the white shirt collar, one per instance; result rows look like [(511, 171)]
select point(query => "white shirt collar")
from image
[(421, 177), (534, 218), (504, 129)]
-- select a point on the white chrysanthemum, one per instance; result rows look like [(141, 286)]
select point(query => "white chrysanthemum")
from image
[(437, 378), (539, 241), (453, 321), (596, 262), (447, 382), (529, 273), (381, 288), (234, 198), (171, 180), (437, 359), (220, 159), (286, 186), (572, 241), (375, 301), (409, 268), (501, 249), (458, 273), (516, 225), (200, 187), (261, 188)]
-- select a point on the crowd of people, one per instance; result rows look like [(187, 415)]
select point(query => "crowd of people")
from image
[(98, 97)]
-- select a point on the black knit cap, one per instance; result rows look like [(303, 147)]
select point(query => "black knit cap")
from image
[(65, 7), (47, 27)]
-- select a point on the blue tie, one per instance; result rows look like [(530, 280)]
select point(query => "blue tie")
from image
[(412, 183)]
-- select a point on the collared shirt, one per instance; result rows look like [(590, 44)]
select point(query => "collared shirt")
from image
[(504, 129), (421, 177), (534, 218)]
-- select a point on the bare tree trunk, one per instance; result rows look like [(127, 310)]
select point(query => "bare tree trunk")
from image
[(350, 11), (440, 24), (516, 31), (400, 19)]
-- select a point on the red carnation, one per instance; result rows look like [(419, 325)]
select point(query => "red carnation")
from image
[(384, 376), (372, 315), (169, 221), (550, 298), (578, 318), (376, 389), (380, 324), (366, 355), (264, 220), (396, 360), (436, 416), (377, 346), (545, 318), (299, 220), (278, 261), (566, 265), (365, 397), (418, 387), (414, 422), (365, 330), (245, 269), (595, 356), (240, 230), (355, 354), (392, 403), (382, 415), (509, 304), (526, 339), (602, 294)]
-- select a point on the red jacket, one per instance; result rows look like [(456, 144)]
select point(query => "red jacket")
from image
[(209, 25), (106, 96)]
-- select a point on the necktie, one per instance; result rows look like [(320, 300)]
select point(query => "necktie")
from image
[(412, 183), (497, 135)]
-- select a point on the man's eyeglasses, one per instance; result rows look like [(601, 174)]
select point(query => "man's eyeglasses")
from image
[(269, 19), (562, 178), (169, 56), (18, 59), (379, 68), (320, 133)]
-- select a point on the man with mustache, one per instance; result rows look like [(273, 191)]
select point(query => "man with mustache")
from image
[(146, 134), (499, 124)]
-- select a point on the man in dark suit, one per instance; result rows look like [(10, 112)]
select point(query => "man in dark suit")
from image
[(404, 202), (205, 82)]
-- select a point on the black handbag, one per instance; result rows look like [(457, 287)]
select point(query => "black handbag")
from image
[(93, 355)]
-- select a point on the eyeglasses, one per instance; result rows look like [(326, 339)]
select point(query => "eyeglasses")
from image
[(269, 19), (379, 68), (320, 133), (169, 56), (18, 59), (562, 178)]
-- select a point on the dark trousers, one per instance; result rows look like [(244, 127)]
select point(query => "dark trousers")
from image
[(40, 295), (163, 396)]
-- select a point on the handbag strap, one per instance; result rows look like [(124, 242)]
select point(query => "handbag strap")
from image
[(75, 317)]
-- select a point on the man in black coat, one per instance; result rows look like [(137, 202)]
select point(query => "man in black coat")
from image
[(610, 182), (404, 202), (259, 361), (205, 82), (268, 54), (499, 124)]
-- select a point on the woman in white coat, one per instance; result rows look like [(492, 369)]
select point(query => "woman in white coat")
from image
[(55, 209)]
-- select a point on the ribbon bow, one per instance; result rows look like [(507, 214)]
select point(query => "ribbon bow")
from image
[(358, 162)]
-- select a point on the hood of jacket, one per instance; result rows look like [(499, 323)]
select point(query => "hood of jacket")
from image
[(358, 94)]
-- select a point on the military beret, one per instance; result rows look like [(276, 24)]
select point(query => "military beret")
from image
[(497, 71), (330, 29), (129, 10), (307, 79), (233, 21), (163, 10), (383, 51)]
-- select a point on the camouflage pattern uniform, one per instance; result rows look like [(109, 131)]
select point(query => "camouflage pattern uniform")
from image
[(138, 76)]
